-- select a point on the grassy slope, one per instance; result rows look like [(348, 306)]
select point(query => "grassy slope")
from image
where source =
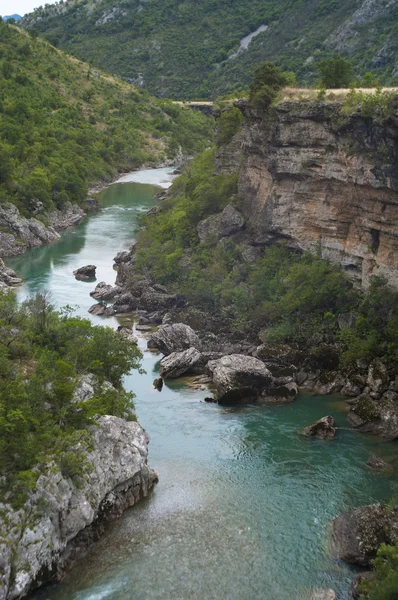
[(182, 49), (64, 125)]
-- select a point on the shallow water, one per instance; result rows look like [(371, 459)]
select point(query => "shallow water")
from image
[(242, 507)]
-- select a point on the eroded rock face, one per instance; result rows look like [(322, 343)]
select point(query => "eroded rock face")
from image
[(308, 182), (174, 338), (324, 429), (37, 540), (227, 223), (358, 533), (239, 377)]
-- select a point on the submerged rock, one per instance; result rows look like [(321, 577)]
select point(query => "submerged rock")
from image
[(378, 464), (358, 533), (323, 594), (85, 273), (174, 338), (238, 377), (324, 429), (52, 530)]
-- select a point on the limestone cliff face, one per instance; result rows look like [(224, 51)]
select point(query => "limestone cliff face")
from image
[(316, 180), (60, 520)]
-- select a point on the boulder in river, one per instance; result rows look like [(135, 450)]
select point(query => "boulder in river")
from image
[(324, 429), (178, 363), (85, 273), (358, 533), (174, 338), (104, 291), (158, 384), (239, 377)]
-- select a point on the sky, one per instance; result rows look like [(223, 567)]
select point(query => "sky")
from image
[(21, 7)]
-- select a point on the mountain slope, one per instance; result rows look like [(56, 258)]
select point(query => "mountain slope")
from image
[(190, 49), (64, 125)]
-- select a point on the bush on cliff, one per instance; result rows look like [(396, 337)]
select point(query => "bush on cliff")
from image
[(384, 583), (43, 355), (267, 81)]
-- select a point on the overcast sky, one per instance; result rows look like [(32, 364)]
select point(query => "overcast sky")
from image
[(20, 7)]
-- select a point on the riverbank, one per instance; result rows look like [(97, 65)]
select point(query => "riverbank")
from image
[(243, 503)]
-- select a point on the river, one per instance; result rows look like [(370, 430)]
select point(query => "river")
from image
[(242, 507)]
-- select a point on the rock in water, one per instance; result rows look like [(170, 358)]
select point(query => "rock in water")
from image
[(178, 363), (8, 277), (104, 291), (53, 528), (174, 338), (239, 377), (324, 429), (127, 333), (358, 533), (158, 384), (85, 273), (378, 464)]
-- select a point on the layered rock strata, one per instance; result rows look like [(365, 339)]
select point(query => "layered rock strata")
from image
[(316, 180)]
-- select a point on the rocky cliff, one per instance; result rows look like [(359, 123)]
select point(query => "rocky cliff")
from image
[(60, 519), (18, 234), (314, 178)]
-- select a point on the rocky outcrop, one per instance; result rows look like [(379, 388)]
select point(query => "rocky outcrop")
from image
[(238, 377), (324, 429), (174, 338), (8, 277), (358, 533), (178, 363), (316, 180), (225, 224), (375, 416), (18, 234), (47, 534), (85, 273)]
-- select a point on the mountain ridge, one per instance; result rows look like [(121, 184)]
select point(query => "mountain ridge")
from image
[(186, 50)]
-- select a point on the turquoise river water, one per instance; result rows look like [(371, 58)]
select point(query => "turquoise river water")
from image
[(242, 507)]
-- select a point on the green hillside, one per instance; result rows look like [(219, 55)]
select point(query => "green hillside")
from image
[(64, 125), (191, 49)]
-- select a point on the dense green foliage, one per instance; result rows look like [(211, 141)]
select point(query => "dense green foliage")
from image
[(42, 355), (63, 126), (191, 49), (267, 81), (384, 584), (296, 298), (336, 72)]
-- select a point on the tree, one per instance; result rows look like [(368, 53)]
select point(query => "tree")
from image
[(268, 79), (335, 72)]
